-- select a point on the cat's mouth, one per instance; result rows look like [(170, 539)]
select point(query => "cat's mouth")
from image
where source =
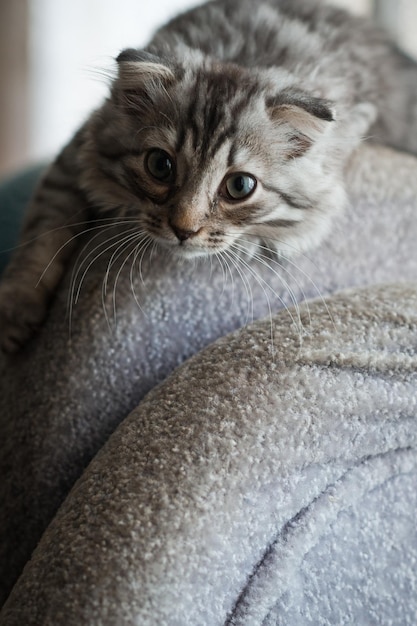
[(187, 249), (190, 247)]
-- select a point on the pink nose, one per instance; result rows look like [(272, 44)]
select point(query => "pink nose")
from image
[(182, 234)]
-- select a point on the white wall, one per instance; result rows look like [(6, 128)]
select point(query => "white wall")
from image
[(72, 44), (361, 7), (400, 19)]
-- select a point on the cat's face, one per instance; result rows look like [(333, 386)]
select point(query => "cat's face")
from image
[(210, 155)]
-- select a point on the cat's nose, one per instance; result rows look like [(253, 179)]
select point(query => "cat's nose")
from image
[(182, 234)]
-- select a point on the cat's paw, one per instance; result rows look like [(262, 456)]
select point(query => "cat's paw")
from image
[(22, 311)]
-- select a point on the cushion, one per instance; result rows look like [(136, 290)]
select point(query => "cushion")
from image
[(112, 336), (14, 196)]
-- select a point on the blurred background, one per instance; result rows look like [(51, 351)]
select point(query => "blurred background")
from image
[(54, 55)]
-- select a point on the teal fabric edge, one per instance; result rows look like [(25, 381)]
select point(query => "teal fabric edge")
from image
[(15, 193)]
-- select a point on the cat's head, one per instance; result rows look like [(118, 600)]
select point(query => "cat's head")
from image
[(206, 153)]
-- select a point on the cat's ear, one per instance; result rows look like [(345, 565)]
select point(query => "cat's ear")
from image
[(138, 67), (306, 115)]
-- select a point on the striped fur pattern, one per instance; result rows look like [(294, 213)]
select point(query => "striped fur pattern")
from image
[(234, 125)]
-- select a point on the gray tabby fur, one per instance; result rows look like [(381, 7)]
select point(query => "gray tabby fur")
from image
[(281, 90)]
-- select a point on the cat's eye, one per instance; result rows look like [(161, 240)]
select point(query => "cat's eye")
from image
[(239, 186), (160, 165)]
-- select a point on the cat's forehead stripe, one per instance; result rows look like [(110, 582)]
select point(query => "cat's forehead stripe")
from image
[(211, 118), (232, 154)]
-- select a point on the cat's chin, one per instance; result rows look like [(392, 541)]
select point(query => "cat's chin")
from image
[(190, 253), (187, 251)]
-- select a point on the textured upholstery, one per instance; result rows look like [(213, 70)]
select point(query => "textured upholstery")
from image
[(270, 479)]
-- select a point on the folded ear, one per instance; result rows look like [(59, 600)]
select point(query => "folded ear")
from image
[(138, 66), (306, 115)]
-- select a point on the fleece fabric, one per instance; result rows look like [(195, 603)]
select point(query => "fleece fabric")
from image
[(267, 481), (94, 361)]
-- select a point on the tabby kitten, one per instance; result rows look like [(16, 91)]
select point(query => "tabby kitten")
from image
[(236, 122)]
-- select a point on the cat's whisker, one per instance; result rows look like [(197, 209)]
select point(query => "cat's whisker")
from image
[(261, 283), (100, 73), (69, 224), (78, 266), (46, 233), (120, 245), (112, 260), (218, 257), (149, 241), (117, 279), (315, 287), (211, 266), (296, 321), (229, 271), (246, 285), (115, 255), (294, 251), (289, 260), (141, 248), (75, 270), (266, 262), (64, 245), (153, 250), (260, 241), (75, 291)]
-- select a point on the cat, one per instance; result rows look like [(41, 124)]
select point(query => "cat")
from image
[(237, 120)]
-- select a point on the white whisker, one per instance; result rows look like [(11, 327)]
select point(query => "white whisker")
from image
[(64, 245), (120, 244), (259, 280), (78, 267), (289, 260), (266, 262), (149, 238), (141, 248), (279, 298), (246, 285), (315, 287), (69, 225), (232, 280), (117, 278), (153, 249), (74, 291), (218, 256), (113, 258)]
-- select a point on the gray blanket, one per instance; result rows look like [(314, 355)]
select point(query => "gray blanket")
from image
[(211, 498)]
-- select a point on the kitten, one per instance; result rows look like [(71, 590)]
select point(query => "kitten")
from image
[(237, 121)]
